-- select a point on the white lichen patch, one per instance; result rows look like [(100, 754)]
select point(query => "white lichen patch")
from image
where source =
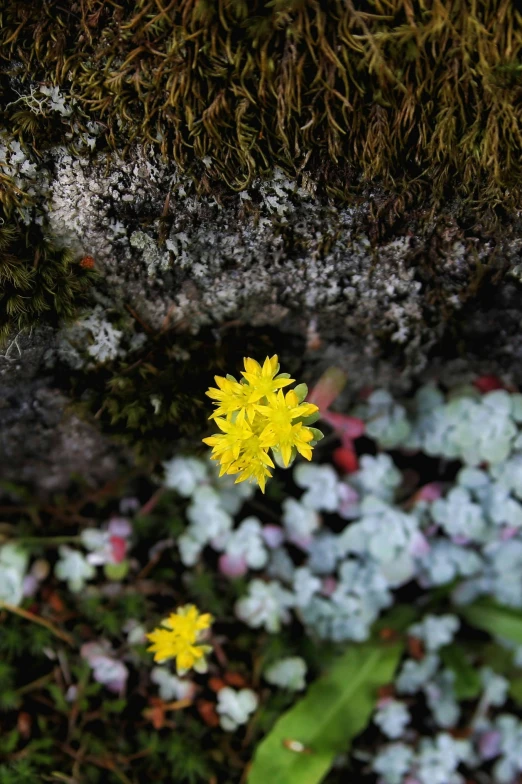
[(97, 338), (43, 99), (152, 256)]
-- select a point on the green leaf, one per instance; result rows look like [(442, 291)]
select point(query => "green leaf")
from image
[(309, 420), (515, 690), (10, 742), (318, 435), (398, 619), (503, 622), (58, 697), (116, 571), (115, 706), (338, 707), (301, 390), (467, 684), (498, 658), (278, 457)]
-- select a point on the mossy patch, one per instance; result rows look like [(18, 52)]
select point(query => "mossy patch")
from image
[(39, 282), (155, 398), (423, 97)]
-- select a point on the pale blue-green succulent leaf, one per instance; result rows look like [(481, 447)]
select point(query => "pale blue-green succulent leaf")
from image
[(301, 390)]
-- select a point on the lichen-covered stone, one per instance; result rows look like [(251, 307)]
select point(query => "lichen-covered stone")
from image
[(275, 253), (43, 443)]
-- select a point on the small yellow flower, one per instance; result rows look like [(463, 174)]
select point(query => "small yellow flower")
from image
[(226, 447), (254, 462), (187, 621), (280, 431), (261, 380), (228, 394), (259, 417), (179, 639), (231, 397), (254, 470)]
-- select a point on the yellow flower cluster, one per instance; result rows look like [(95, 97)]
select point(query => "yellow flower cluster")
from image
[(255, 416), (179, 639)]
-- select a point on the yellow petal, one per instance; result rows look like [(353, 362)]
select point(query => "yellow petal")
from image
[(251, 366), (185, 660), (215, 393), (205, 620), (286, 452), (291, 399), (267, 368), (282, 382)]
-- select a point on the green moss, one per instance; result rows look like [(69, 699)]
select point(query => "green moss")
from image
[(18, 772), (39, 283), (11, 196), (412, 94)]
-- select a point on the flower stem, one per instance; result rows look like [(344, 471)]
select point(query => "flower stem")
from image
[(48, 541), (29, 616)]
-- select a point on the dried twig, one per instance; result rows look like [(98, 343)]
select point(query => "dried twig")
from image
[(29, 616)]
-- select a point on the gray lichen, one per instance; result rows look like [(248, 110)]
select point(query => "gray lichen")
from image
[(277, 252)]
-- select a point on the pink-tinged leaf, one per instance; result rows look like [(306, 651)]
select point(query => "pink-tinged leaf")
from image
[(90, 650), (462, 541), (111, 673), (346, 460), (120, 526), (348, 502), (328, 388), (118, 548), (107, 670), (328, 586), (347, 427), (30, 585), (419, 545), (489, 744), (488, 383), (273, 536), (303, 542), (430, 492), (508, 533), (232, 566)]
